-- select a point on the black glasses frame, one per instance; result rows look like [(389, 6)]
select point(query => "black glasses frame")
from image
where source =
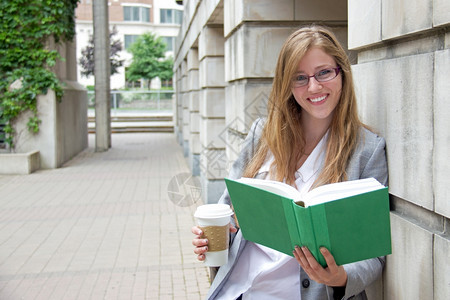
[(315, 75)]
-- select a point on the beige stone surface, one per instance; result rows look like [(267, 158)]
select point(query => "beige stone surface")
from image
[(212, 103), (211, 42), (192, 59), (401, 17), (246, 101), (211, 133), (447, 40), (409, 269), (194, 122), (195, 146), (441, 12), (19, 163), (395, 98), (441, 166), (441, 267), (252, 52), (364, 23), (193, 80), (213, 164), (194, 101), (211, 72), (239, 11)]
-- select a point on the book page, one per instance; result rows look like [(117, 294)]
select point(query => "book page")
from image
[(334, 191), (273, 186)]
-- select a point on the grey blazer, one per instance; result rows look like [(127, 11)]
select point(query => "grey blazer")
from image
[(368, 160)]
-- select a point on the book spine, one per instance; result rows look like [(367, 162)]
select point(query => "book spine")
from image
[(320, 227), (306, 229), (292, 224)]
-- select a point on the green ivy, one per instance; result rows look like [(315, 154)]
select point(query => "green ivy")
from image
[(26, 28)]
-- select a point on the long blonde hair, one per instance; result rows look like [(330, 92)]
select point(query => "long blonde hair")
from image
[(283, 134)]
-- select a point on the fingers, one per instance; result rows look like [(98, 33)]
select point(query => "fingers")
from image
[(201, 257), (233, 229), (200, 250), (332, 275), (308, 263), (331, 263), (196, 230), (200, 243), (300, 257)]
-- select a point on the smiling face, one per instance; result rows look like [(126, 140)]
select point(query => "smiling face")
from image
[(318, 100)]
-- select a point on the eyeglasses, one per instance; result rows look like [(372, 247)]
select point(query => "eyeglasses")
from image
[(321, 76)]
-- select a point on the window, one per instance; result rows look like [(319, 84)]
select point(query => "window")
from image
[(171, 16), (169, 41), (136, 14), (130, 39)]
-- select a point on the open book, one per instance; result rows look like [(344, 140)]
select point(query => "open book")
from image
[(351, 219)]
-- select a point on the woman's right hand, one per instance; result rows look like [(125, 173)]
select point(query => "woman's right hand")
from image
[(201, 244)]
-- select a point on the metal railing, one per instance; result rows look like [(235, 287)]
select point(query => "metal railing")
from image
[(154, 100)]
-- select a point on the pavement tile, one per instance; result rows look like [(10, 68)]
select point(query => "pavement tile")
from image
[(101, 227)]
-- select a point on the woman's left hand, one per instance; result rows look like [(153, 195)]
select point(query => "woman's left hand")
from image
[(333, 275)]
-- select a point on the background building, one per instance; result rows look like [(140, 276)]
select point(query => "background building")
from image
[(225, 59), (131, 18)]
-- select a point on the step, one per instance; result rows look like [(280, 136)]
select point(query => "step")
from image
[(122, 127), (138, 129), (156, 118)]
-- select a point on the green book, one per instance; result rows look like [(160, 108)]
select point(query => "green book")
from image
[(351, 219)]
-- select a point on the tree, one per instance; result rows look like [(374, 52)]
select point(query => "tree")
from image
[(149, 60), (87, 55), (166, 69)]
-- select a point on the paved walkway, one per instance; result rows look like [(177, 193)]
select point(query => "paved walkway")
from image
[(100, 227)]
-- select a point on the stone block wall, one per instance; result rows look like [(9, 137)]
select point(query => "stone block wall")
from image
[(403, 52)]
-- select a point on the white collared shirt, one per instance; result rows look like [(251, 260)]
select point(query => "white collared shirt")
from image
[(260, 272)]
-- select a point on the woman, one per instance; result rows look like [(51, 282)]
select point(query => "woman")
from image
[(312, 136)]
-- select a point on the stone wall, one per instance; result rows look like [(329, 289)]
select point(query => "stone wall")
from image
[(400, 52), (403, 52)]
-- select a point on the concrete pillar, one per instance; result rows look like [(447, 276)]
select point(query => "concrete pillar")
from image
[(213, 161), (177, 106), (102, 76), (178, 118), (184, 109), (193, 108)]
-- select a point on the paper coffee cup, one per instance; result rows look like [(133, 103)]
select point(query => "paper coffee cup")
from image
[(214, 220)]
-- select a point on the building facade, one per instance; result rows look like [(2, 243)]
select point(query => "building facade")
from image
[(225, 58), (131, 18)]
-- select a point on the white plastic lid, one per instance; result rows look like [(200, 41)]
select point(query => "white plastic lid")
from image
[(208, 211)]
